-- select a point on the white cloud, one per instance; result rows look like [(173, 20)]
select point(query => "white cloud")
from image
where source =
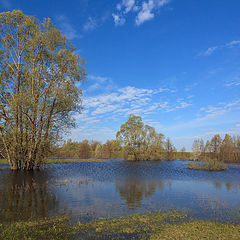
[(211, 50), (211, 112), (118, 19), (234, 83), (91, 24), (67, 28), (99, 83), (98, 78), (145, 10), (233, 43), (128, 4), (132, 100)]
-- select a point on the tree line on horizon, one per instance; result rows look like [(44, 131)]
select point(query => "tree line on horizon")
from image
[(225, 149), (137, 141)]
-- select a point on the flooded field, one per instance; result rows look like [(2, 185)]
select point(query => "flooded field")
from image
[(86, 191)]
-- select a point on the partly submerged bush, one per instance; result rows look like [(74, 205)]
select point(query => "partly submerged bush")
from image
[(208, 165)]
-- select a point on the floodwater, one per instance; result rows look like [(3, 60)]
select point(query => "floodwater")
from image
[(86, 191)]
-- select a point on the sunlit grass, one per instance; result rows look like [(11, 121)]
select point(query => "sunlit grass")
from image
[(72, 160), (4, 161), (157, 225), (208, 165)]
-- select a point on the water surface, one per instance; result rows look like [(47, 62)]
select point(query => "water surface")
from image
[(85, 191)]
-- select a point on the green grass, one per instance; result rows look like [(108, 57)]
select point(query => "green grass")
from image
[(58, 228), (156, 225), (4, 161), (3, 168), (72, 160), (208, 165), (198, 230)]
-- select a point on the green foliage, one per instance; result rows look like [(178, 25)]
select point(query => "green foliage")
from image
[(87, 149), (208, 165), (38, 95), (98, 151), (71, 160), (226, 150), (140, 141)]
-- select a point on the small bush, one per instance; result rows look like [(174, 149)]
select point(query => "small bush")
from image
[(208, 165)]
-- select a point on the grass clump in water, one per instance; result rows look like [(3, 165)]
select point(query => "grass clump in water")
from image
[(208, 165)]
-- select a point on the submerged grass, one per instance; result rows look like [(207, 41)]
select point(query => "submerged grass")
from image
[(156, 225)]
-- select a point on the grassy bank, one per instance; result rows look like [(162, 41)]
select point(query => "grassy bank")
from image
[(4, 161), (72, 160), (158, 225)]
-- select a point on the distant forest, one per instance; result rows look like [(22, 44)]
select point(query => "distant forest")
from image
[(226, 150)]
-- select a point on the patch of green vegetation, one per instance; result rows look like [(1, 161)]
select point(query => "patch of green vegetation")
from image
[(198, 230), (156, 225), (58, 228), (133, 225), (208, 165), (3, 161), (71, 160), (3, 168)]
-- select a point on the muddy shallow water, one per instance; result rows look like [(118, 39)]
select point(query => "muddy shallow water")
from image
[(86, 191)]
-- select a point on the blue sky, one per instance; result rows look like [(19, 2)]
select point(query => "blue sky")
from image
[(175, 63)]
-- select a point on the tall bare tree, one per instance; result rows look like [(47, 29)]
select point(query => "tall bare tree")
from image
[(170, 149)]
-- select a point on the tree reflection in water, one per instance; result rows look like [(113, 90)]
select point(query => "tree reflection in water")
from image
[(26, 195), (133, 190)]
